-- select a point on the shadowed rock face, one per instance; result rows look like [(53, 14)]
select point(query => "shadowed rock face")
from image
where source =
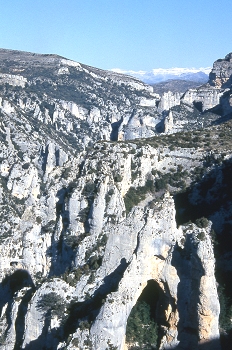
[(88, 225)]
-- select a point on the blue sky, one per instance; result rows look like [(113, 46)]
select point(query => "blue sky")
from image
[(126, 34)]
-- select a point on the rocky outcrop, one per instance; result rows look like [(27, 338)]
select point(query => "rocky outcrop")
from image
[(168, 100), (213, 96), (13, 79), (220, 76), (205, 97), (168, 122), (154, 255), (88, 225), (62, 234)]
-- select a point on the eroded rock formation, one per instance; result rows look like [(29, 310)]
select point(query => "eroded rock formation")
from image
[(88, 223)]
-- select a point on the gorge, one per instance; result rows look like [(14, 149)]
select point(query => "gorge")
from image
[(113, 197)]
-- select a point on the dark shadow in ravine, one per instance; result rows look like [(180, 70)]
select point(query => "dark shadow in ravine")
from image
[(209, 198), (20, 319), (10, 285), (198, 105), (214, 192), (44, 157), (61, 253), (114, 132)]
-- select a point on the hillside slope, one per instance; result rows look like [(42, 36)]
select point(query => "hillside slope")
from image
[(98, 217)]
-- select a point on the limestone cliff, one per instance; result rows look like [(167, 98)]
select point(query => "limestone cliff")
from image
[(89, 225), (220, 75)]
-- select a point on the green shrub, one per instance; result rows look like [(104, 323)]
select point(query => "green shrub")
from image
[(88, 343), (154, 172), (38, 220), (84, 325), (108, 195), (75, 342), (141, 328), (66, 173), (110, 192), (53, 302), (26, 165), (89, 189), (202, 222), (133, 166), (134, 176), (161, 184), (72, 241), (136, 195), (83, 214), (118, 178), (201, 236)]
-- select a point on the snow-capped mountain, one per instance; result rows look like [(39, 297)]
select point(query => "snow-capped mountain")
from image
[(161, 74)]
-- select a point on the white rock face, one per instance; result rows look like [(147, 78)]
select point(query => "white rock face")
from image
[(208, 307), (74, 109), (209, 97), (22, 187), (168, 100), (142, 246), (145, 102), (15, 80), (168, 122), (69, 63), (86, 225), (134, 127), (34, 320), (149, 251)]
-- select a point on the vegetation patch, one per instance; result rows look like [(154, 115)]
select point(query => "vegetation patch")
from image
[(202, 222), (136, 195), (141, 330), (53, 304)]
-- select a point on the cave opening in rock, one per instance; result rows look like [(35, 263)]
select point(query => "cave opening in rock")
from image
[(146, 317), (150, 295), (115, 127), (198, 105), (18, 280)]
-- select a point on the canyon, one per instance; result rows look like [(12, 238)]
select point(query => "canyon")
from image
[(111, 195)]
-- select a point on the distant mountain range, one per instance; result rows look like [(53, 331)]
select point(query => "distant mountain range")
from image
[(160, 74)]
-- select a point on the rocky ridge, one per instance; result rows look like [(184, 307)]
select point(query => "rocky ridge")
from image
[(175, 85), (83, 214)]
